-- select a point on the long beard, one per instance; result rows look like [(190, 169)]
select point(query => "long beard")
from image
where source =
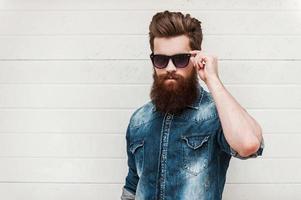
[(174, 96)]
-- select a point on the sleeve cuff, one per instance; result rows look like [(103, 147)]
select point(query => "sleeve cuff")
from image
[(127, 195), (254, 155)]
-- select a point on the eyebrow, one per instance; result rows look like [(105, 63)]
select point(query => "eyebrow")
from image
[(171, 54)]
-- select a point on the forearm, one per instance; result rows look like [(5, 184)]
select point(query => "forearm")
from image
[(241, 130)]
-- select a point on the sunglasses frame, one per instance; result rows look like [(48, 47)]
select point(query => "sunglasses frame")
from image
[(172, 57)]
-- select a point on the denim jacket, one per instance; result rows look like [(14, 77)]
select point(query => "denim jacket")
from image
[(184, 156)]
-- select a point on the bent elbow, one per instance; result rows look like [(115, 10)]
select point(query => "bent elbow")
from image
[(249, 148)]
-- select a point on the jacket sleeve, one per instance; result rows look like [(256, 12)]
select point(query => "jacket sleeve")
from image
[(131, 180), (229, 150), (126, 195)]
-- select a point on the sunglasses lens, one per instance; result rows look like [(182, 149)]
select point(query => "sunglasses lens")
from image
[(181, 60), (160, 61)]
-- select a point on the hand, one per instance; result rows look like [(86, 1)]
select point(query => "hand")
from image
[(206, 66)]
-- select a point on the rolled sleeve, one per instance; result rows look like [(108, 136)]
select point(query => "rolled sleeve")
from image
[(224, 145), (132, 178), (127, 195)]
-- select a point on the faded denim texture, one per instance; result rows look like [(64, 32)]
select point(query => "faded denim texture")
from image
[(173, 157)]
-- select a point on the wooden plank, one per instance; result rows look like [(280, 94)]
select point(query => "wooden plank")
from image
[(63, 191), (157, 4), (108, 120), (262, 191), (100, 145), (60, 145), (88, 171), (137, 47), (108, 96), (112, 22), (140, 72), (64, 120)]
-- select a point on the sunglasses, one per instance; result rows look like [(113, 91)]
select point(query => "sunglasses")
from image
[(179, 60)]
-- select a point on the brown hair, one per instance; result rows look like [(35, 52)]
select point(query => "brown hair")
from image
[(168, 24)]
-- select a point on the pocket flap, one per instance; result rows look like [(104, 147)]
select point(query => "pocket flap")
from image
[(195, 141), (136, 145)]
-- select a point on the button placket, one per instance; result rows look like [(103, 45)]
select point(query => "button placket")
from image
[(164, 146)]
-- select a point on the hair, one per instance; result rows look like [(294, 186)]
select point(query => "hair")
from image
[(169, 24)]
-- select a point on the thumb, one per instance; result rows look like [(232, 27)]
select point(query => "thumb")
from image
[(194, 52)]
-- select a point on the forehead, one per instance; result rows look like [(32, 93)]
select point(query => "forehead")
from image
[(171, 45)]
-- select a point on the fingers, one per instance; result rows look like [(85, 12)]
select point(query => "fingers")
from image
[(198, 59), (192, 60), (194, 52), (201, 63), (197, 63), (199, 55)]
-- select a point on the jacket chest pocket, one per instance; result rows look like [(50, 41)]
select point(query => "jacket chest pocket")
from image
[(137, 149), (195, 153)]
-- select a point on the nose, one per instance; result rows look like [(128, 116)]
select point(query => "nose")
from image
[(170, 66)]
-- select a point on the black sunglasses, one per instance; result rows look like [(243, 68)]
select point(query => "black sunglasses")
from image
[(179, 60)]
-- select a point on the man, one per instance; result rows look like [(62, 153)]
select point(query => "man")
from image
[(180, 143)]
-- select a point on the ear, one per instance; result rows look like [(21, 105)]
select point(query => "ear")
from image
[(192, 60)]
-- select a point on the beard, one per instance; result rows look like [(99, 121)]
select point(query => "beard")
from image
[(174, 95)]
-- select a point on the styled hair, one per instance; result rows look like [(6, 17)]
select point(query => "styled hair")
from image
[(169, 24)]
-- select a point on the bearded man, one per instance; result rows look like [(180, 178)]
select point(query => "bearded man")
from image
[(179, 144)]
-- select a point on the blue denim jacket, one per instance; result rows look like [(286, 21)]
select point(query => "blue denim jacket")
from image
[(183, 156)]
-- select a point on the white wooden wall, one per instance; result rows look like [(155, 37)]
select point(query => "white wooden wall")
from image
[(73, 71)]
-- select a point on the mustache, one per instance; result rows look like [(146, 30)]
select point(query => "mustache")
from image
[(169, 75)]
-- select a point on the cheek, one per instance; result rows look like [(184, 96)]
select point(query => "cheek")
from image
[(185, 72), (159, 71)]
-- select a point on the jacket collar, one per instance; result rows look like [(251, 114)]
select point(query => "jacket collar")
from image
[(195, 104)]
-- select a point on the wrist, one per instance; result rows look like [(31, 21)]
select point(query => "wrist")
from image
[(213, 81)]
